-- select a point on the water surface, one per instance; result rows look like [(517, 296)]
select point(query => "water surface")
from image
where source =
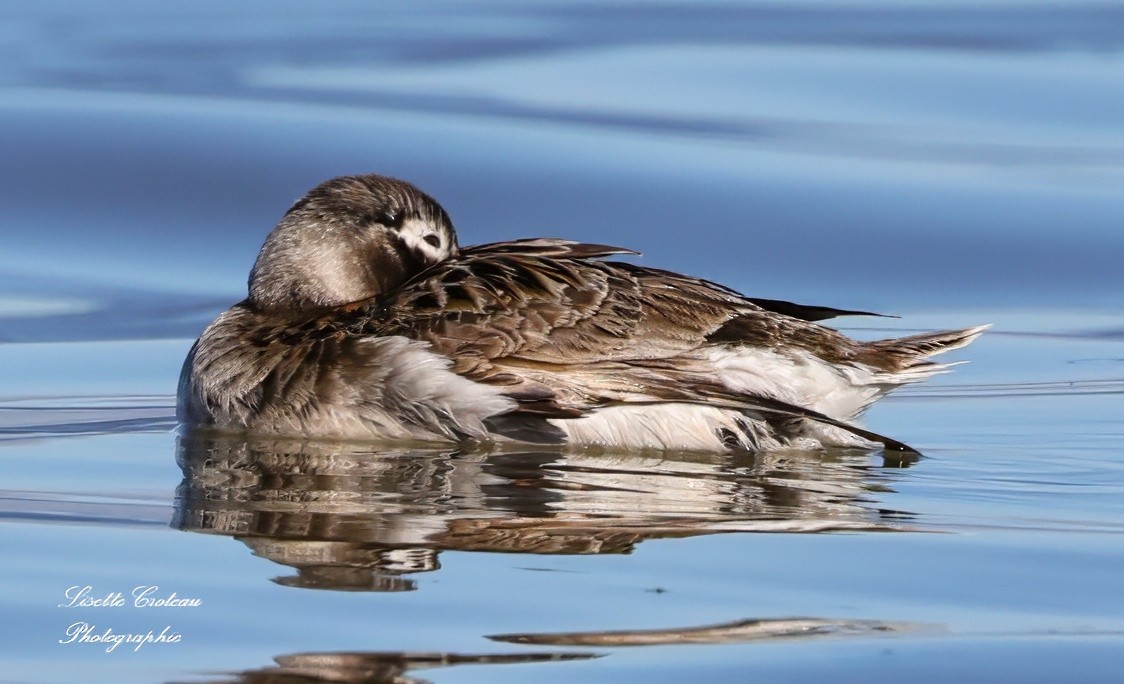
[(955, 164)]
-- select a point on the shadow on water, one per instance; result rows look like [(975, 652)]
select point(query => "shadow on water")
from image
[(349, 517)]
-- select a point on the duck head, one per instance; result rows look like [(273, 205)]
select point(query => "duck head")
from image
[(349, 239)]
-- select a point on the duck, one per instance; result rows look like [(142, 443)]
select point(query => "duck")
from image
[(366, 320)]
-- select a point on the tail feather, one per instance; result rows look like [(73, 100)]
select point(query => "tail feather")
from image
[(907, 358)]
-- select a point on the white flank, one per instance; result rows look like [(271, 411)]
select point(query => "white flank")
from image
[(688, 427), (416, 375), (799, 378), (421, 398)]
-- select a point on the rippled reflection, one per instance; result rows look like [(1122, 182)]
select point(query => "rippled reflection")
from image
[(742, 631), (350, 517), (390, 667)]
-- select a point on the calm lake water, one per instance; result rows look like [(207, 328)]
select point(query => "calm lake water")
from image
[(954, 163)]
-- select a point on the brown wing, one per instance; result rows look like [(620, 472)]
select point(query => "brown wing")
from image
[(567, 333), (550, 320), (504, 307)]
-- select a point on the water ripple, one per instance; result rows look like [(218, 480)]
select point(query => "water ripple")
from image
[(1057, 388), (52, 417)]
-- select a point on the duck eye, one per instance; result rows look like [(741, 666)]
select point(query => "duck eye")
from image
[(433, 240)]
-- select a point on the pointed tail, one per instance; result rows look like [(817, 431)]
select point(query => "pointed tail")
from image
[(907, 358)]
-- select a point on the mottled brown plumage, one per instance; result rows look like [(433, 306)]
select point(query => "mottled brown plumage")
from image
[(366, 320)]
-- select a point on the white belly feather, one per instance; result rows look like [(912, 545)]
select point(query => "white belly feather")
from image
[(415, 376), (800, 378), (794, 377)]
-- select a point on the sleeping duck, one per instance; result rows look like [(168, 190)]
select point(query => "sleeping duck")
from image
[(366, 320)]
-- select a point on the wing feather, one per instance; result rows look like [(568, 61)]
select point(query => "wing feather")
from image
[(565, 332)]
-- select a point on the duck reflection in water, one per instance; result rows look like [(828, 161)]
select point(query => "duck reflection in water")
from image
[(394, 667), (389, 667), (349, 516)]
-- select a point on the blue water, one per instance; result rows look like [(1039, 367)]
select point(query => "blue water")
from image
[(955, 164)]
